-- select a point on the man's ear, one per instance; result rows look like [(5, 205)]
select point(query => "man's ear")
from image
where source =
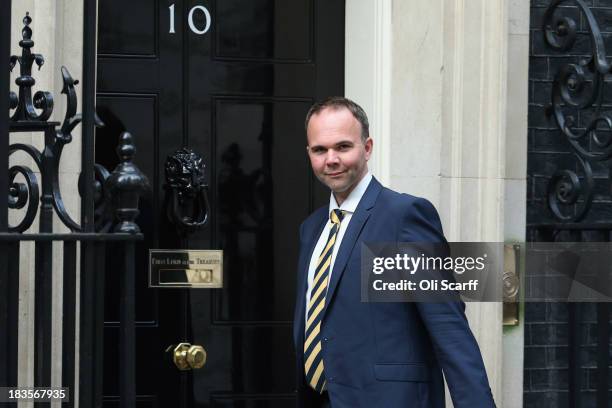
[(369, 145)]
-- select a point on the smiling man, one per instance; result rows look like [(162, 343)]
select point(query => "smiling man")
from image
[(339, 148), (352, 354)]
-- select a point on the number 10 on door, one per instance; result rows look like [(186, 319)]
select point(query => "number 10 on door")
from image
[(190, 21)]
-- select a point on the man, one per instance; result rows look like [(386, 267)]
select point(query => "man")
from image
[(352, 354)]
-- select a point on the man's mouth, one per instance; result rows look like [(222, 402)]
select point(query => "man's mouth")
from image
[(335, 174)]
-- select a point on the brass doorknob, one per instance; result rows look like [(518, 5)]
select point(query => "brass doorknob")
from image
[(196, 357), (188, 357)]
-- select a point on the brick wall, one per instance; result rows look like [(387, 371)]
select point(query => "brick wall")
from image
[(546, 328)]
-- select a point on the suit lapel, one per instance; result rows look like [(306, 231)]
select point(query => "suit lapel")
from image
[(356, 224)]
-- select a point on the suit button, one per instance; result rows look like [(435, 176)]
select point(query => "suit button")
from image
[(325, 339), (330, 379)]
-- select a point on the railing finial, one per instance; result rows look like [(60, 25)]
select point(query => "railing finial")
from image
[(125, 186)]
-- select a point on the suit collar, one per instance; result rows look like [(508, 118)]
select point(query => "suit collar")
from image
[(371, 194)]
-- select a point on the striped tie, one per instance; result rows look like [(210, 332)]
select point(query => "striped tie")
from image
[(313, 366)]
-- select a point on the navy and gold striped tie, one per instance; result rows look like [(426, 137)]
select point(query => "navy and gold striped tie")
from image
[(313, 366)]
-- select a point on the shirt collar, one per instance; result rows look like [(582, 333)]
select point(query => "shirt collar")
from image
[(350, 204)]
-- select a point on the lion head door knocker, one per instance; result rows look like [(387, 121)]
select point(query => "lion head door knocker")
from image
[(187, 203)]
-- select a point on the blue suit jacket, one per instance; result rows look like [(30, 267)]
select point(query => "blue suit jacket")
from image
[(387, 354)]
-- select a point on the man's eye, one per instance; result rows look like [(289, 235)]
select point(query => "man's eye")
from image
[(318, 150), (343, 148)]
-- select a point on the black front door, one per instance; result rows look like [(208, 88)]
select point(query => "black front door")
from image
[(233, 80)]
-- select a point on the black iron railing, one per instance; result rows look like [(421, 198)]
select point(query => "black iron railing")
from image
[(109, 207), (92, 272), (6, 296)]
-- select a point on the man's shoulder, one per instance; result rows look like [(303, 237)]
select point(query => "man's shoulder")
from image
[(413, 211), (319, 213), (394, 199), (314, 219), (407, 207)]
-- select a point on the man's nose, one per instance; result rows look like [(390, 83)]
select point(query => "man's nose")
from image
[(332, 157)]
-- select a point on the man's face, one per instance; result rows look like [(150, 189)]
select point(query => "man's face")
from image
[(337, 153)]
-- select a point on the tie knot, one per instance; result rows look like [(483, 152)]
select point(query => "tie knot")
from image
[(337, 215)]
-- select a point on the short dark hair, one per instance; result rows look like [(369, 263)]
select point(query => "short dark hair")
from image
[(339, 102)]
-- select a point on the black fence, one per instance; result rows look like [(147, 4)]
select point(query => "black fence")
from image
[(92, 249), (109, 207)]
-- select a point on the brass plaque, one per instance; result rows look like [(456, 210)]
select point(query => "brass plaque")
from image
[(185, 268)]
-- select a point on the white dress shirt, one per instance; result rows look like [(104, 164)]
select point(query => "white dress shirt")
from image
[(349, 205)]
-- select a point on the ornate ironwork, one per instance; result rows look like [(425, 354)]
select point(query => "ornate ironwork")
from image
[(27, 193), (565, 188), (187, 203), (577, 87), (26, 105), (125, 186)]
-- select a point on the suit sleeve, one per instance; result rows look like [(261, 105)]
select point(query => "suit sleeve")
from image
[(454, 344)]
